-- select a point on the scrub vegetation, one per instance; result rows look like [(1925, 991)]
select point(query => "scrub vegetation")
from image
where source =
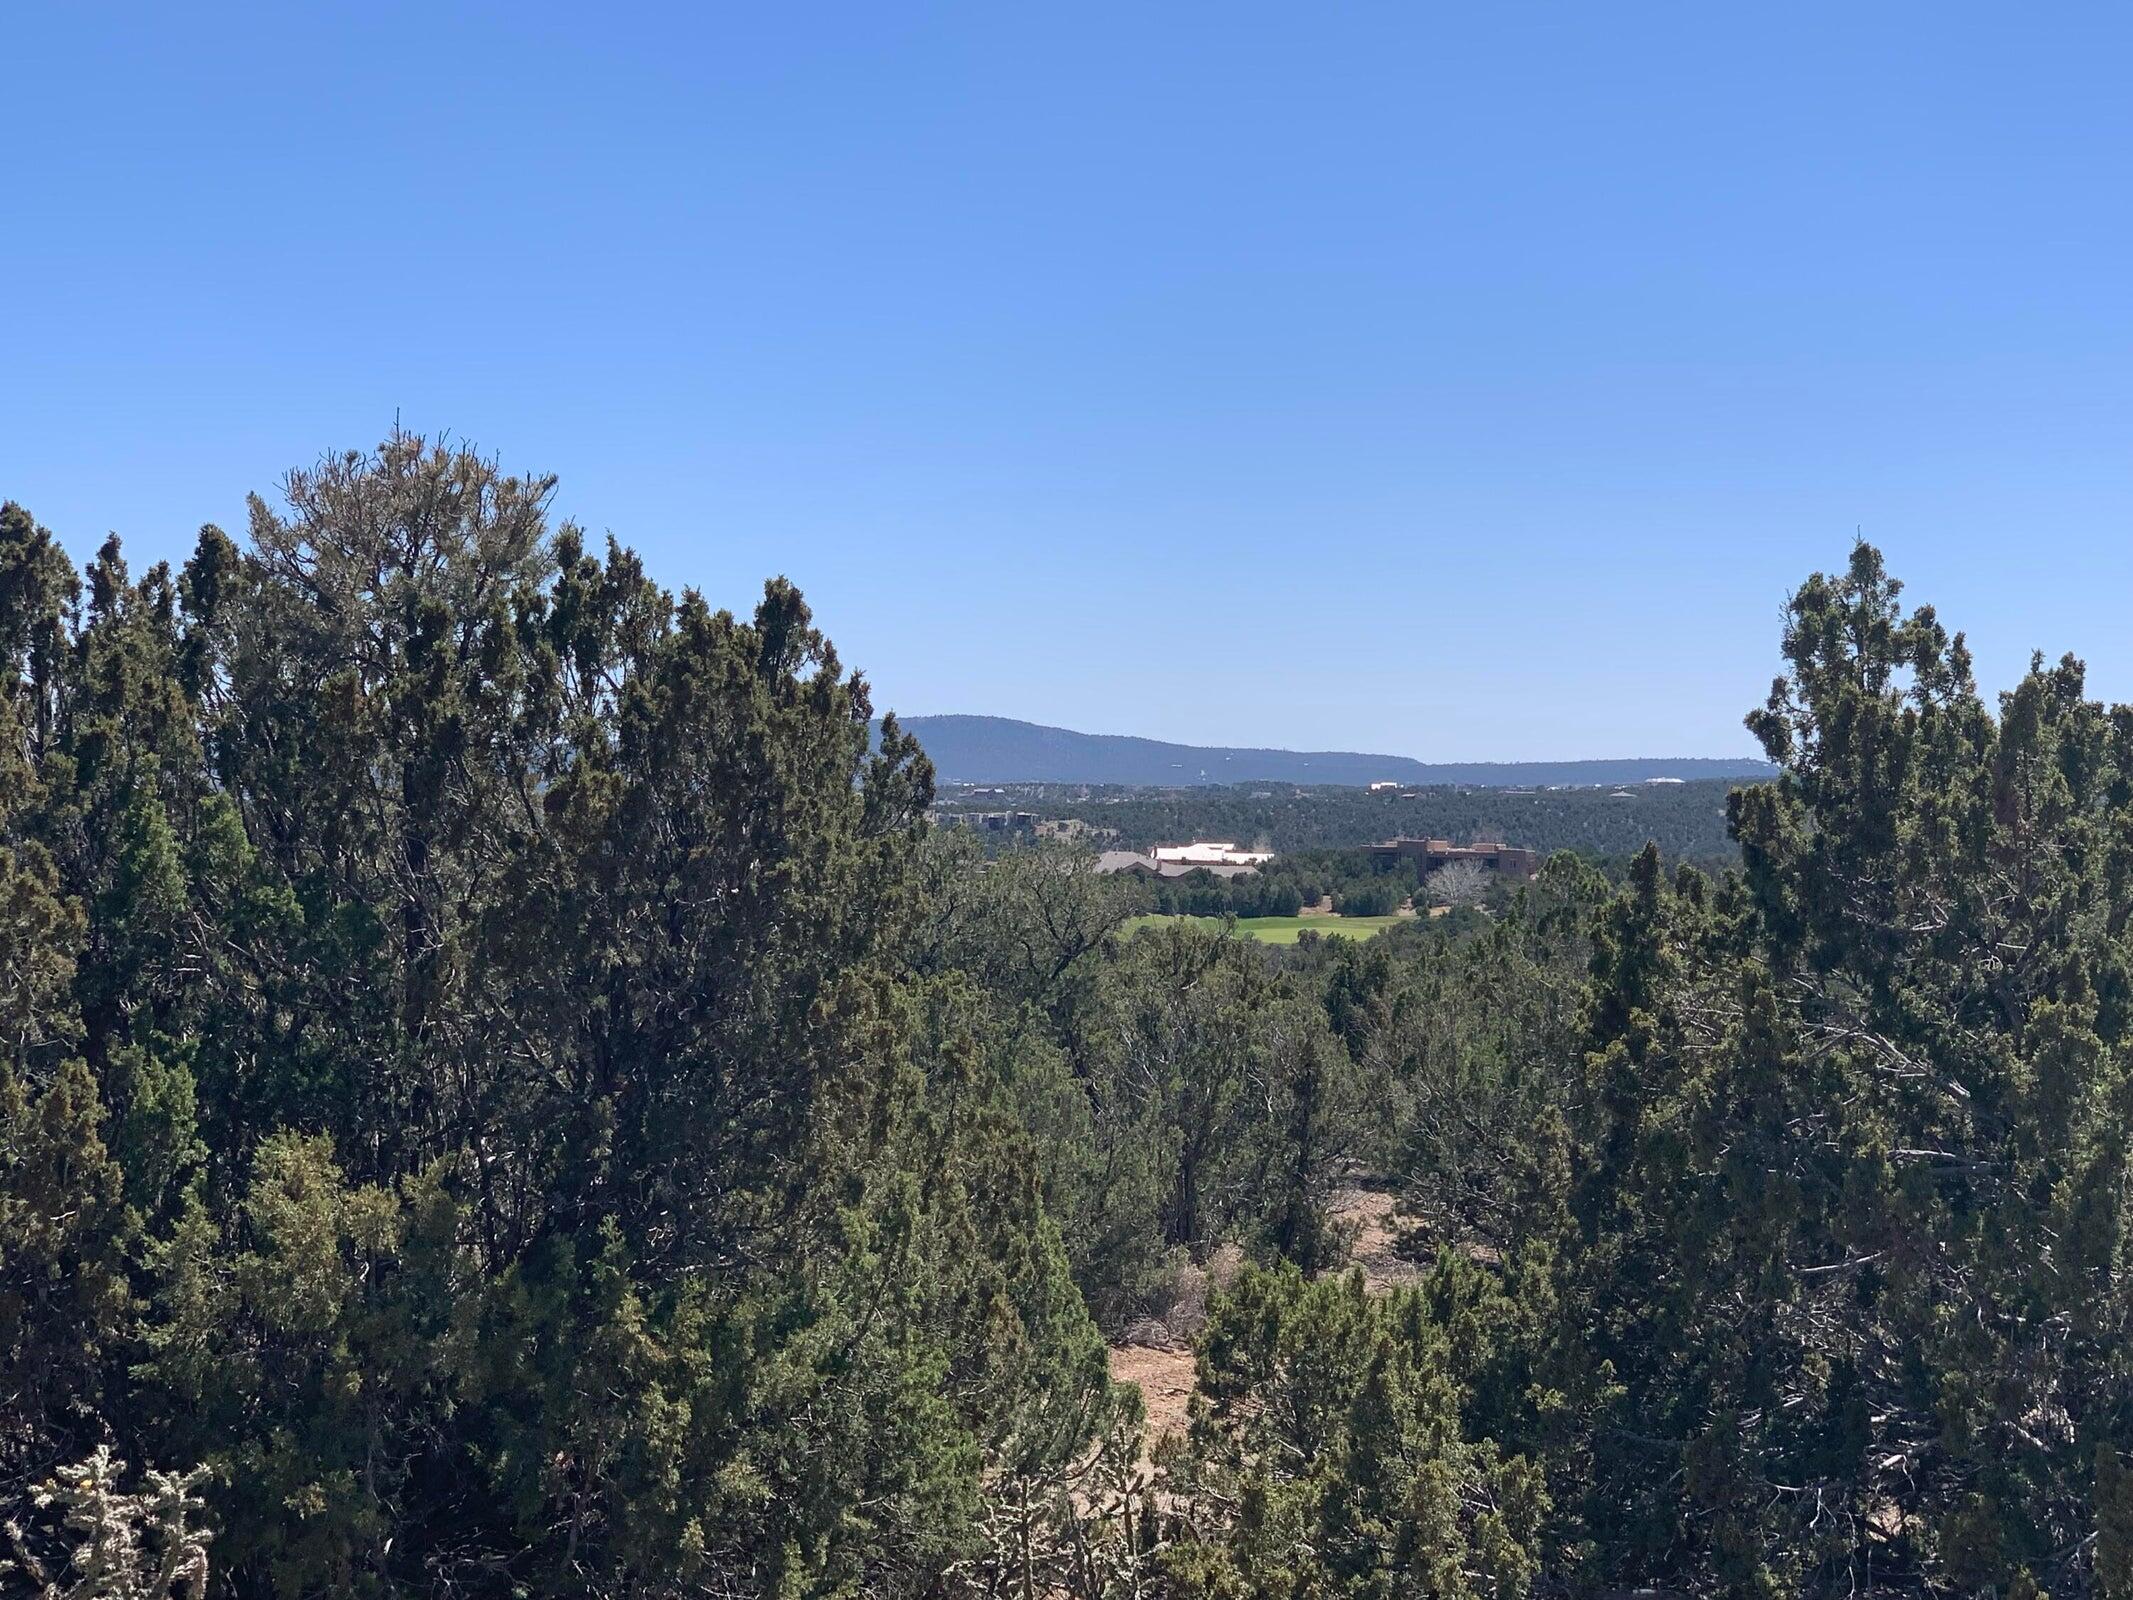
[(503, 1094)]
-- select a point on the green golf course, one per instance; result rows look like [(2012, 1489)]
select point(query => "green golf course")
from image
[(1284, 930)]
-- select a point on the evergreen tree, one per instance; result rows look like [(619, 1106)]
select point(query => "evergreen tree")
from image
[(470, 1087)]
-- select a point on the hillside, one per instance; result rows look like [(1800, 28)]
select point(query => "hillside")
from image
[(1003, 750)]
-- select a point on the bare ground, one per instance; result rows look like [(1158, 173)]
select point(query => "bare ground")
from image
[(1164, 1378), (1376, 1248), (1156, 1355)]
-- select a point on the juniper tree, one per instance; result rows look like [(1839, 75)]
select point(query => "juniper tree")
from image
[(467, 993)]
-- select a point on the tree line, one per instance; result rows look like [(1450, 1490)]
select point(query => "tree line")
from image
[(503, 1094), (1354, 881), (1686, 820)]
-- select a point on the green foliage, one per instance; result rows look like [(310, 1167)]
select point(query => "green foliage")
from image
[(1468, 1042), (1327, 1454), (1853, 1198), (1373, 897), (1213, 1081), (1793, 1235), (472, 1081), (502, 1090), (1276, 892), (1687, 820), (1183, 1093), (64, 1238)]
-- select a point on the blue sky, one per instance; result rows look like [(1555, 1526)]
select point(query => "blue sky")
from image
[(1457, 381)]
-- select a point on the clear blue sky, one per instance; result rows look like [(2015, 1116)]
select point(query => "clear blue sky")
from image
[(1463, 381)]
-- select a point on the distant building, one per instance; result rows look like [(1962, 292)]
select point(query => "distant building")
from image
[(1384, 784), (1211, 853), (1510, 861), (1179, 860), (1065, 828), (989, 821)]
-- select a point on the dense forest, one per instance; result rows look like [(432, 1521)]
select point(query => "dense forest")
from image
[(503, 1094), (1686, 820)]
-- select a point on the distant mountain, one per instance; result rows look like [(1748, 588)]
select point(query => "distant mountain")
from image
[(1002, 750)]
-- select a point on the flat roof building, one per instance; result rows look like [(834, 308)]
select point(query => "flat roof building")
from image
[(1211, 853), (1149, 866)]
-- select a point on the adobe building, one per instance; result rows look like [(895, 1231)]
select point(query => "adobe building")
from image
[(1427, 855)]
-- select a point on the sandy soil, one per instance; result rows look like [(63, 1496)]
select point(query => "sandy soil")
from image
[(1157, 1357), (1377, 1237), (1164, 1378)]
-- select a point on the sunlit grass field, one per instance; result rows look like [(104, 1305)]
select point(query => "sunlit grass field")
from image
[(1283, 930)]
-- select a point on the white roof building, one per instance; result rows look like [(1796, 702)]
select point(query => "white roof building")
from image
[(1211, 853)]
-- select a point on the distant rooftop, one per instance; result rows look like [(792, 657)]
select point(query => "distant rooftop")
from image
[(1211, 853)]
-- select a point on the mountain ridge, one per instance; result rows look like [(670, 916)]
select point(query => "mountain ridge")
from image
[(978, 749)]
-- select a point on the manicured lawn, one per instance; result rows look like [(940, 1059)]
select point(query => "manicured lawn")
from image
[(1283, 930)]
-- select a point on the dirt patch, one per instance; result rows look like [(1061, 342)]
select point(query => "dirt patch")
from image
[(1372, 1213), (1164, 1378), (1155, 1354)]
